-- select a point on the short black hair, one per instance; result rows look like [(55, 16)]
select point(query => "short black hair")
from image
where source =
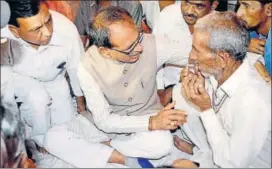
[(263, 2), (98, 30), (22, 9)]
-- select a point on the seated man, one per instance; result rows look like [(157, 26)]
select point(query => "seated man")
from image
[(177, 22), (229, 96), (256, 16), (117, 75), (49, 46)]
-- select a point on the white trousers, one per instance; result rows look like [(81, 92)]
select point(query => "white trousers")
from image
[(78, 143), (44, 104)]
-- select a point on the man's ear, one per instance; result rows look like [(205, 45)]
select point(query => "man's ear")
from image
[(14, 30), (104, 52), (267, 9), (215, 5), (223, 58)]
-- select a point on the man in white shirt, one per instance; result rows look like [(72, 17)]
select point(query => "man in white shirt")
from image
[(177, 23), (152, 10), (49, 46), (232, 100), (117, 75)]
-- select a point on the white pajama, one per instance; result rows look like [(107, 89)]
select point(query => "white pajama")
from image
[(83, 139), (39, 80), (43, 106)]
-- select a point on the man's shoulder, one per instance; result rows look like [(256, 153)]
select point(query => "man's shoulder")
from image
[(171, 11), (63, 26)]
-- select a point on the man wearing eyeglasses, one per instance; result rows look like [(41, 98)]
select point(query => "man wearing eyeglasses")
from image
[(118, 77)]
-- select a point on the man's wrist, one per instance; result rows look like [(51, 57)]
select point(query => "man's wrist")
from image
[(150, 125)]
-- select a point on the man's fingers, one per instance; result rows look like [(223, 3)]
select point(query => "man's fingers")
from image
[(184, 72), (261, 42), (169, 106)]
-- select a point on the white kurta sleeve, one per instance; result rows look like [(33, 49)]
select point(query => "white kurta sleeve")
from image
[(250, 128), (160, 79), (170, 51), (76, 52), (101, 111)]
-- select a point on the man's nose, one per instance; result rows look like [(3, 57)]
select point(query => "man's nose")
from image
[(192, 58), (45, 31), (240, 12), (191, 9)]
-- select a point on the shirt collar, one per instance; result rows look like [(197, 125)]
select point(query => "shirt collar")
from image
[(237, 79)]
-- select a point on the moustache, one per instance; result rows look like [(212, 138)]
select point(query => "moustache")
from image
[(191, 16)]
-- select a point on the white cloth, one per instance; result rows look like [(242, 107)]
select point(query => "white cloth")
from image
[(7, 90), (167, 52), (39, 81), (171, 24), (238, 128), (81, 145), (151, 10), (193, 131)]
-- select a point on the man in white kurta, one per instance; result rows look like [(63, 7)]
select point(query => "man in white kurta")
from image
[(173, 23), (232, 103), (39, 81)]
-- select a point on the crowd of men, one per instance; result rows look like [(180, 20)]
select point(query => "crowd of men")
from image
[(141, 84)]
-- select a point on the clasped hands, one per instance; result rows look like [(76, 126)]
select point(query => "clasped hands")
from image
[(193, 88)]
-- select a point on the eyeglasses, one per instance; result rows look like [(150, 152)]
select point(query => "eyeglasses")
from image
[(130, 51)]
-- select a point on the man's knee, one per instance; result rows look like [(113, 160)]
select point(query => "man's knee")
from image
[(161, 143), (53, 138)]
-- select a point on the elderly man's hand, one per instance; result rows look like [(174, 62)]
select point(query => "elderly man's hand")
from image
[(262, 71), (193, 89), (257, 46), (81, 107)]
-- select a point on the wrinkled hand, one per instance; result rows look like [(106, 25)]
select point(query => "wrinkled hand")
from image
[(257, 46), (182, 163), (165, 95), (167, 119), (183, 145), (193, 89), (81, 107), (262, 71)]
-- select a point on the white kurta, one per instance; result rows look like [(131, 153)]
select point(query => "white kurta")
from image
[(151, 10), (171, 24), (238, 128), (39, 81)]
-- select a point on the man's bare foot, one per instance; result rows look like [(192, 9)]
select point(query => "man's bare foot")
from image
[(42, 150), (183, 145), (107, 143), (182, 163)]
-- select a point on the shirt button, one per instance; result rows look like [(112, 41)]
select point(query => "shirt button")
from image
[(126, 84), (125, 72), (130, 99)]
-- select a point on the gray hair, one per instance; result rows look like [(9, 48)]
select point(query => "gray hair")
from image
[(226, 33)]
